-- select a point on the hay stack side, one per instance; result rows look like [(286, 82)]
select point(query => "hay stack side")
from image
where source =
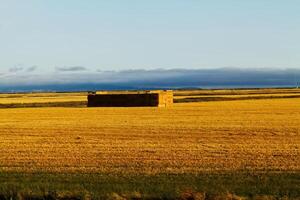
[(165, 98)]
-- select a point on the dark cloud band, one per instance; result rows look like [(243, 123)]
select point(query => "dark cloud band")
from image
[(71, 69)]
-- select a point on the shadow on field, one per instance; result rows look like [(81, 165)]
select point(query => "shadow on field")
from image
[(76, 186)]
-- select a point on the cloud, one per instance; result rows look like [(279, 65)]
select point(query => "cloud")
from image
[(71, 69), (20, 68), (31, 69), (15, 69)]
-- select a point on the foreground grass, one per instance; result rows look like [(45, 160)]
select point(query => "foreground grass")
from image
[(162, 186)]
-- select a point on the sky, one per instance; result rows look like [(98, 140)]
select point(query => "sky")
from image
[(63, 36)]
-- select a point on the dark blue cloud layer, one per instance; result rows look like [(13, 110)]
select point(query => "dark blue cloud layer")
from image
[(155, 79)]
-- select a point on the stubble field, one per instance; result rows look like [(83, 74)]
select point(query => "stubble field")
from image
[(187, 138)]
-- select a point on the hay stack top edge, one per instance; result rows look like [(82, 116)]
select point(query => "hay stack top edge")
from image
[(151, 98)]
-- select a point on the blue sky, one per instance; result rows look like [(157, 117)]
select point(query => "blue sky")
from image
[(50, 36)]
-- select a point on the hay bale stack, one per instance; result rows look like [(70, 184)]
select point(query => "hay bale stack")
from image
[(131, 99)]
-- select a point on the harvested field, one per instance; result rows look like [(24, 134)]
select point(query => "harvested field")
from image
[(187, 138)]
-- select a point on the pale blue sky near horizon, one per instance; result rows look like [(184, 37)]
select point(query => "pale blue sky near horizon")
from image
[(140, 34)]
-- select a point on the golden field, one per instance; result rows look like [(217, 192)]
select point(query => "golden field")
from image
[(255, 135)]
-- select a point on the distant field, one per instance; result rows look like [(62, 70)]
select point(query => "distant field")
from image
[(186, 96), (79, 99), (43, 100), (237, 91), (222, 145)]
